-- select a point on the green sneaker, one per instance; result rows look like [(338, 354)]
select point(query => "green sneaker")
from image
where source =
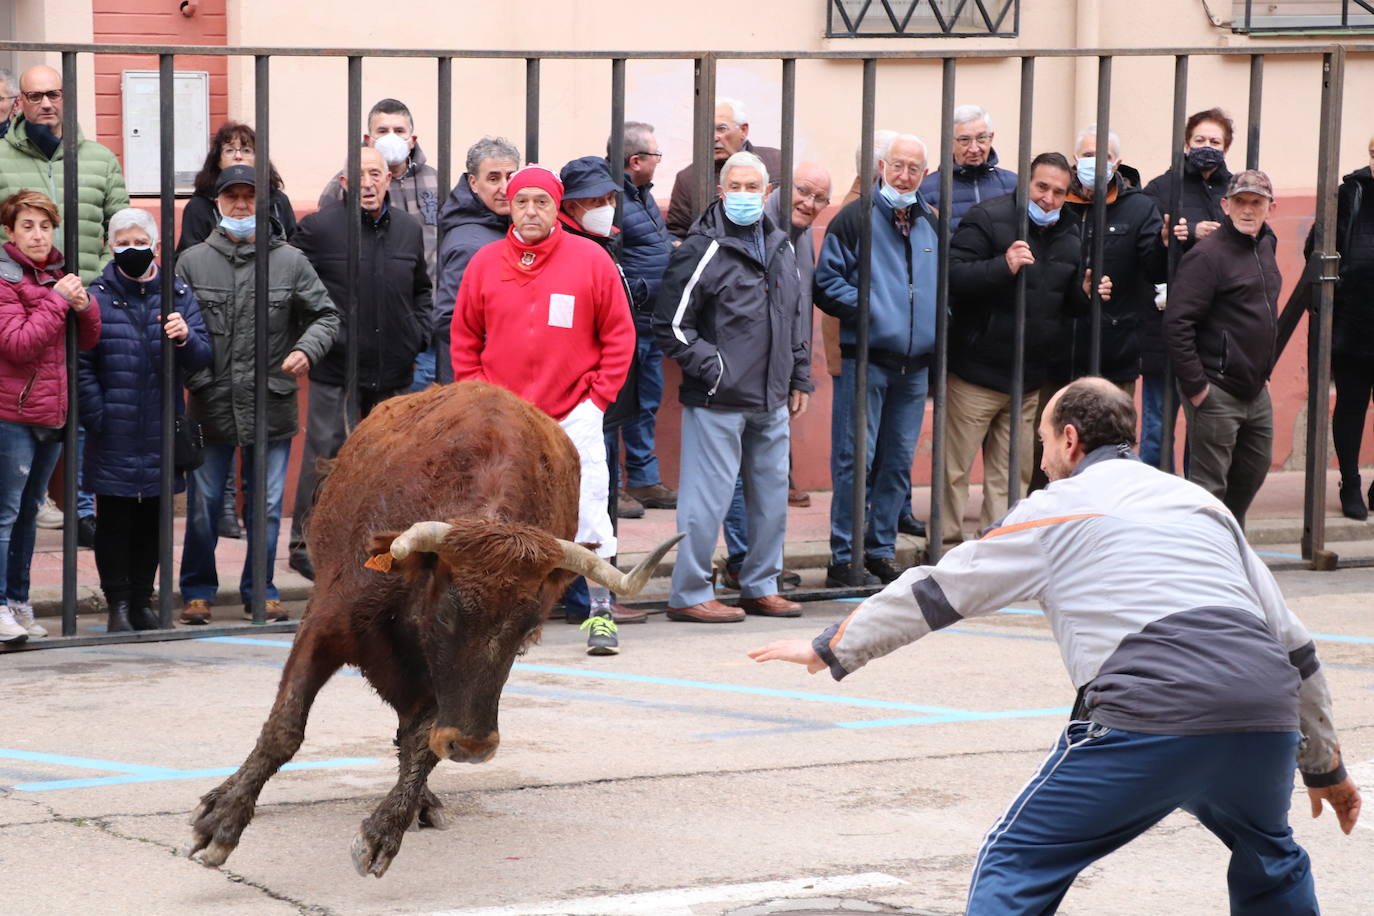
[(601, 632)]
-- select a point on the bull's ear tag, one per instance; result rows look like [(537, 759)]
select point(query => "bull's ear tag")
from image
[(381, 562)]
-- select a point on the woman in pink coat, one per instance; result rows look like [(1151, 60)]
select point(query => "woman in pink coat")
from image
[(36, 294)]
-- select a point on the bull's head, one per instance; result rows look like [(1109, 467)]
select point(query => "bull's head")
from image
[(497, 582)]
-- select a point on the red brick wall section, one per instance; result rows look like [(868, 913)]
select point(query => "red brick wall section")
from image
[(153, 22)]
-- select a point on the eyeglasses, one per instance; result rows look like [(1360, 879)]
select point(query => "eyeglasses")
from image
[(241, 151), (647, 153), (725, 128), (820, 199), (981, 140), (33, 98)]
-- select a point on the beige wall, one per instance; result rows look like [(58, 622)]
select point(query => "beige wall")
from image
[(308, 95)]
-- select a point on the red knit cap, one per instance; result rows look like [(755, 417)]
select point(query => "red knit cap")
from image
[(536, 176)]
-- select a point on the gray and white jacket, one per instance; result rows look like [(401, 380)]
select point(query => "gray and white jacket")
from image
[(1166, 620)]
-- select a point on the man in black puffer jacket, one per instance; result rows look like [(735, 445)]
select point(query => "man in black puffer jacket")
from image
[(985, 257), (393, 321), (1221, 327)]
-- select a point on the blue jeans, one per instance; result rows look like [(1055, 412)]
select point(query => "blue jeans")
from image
[(424, 371), (736, 529), (1100, 788), (25, 466), (204, 502), (896, 409), (641, 464)]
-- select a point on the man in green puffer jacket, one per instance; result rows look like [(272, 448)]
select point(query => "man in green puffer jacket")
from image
[(31, 159)]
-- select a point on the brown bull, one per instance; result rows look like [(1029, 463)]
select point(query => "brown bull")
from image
[(432, 612)]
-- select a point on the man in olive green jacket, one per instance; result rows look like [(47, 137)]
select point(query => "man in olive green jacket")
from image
[(302, 324), (31, 159)]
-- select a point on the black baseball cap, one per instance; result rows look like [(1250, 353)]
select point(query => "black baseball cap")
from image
[(236, 174)]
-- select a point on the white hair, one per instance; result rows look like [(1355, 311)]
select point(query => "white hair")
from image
[(882, 138), (736, 110), (966, 113), (743, 159), (1113, 141), (887, 147), (133, 218)]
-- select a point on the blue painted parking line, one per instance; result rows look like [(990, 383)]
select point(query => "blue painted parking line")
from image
[(134, 773), (1281, 556), (245, 641)]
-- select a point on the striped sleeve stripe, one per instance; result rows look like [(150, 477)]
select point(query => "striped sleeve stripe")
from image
[(687, 290), (1038, 523)]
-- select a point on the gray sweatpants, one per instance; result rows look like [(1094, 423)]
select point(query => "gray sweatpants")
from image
[(717, 446), (1230, 446)]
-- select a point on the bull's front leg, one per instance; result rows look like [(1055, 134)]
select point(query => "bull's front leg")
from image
[(379, 837), (223, 813)]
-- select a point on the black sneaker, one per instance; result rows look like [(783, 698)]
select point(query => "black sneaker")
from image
[(300, 562), (837, 576), (885, 568), (85, 532), (228, 525), (910, 524), (601, 629)]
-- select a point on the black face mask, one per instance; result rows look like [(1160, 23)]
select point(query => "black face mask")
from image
[(1204, 158), (134, 261)]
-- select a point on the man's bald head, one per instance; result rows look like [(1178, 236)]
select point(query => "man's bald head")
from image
[(43, 81), (1084, 415)]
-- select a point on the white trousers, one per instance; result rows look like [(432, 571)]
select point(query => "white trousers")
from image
[(583, 427)]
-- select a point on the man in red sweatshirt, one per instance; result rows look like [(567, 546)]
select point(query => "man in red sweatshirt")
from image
[(543, 313)]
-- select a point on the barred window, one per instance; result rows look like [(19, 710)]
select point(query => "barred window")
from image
[(1270, 16), (922, 18)]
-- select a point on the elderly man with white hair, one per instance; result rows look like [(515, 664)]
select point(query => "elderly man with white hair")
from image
[(901, 338), (120, 392), (977, 176), (731, 135), (730, 313)]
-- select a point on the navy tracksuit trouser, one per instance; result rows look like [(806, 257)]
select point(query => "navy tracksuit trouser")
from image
[(1102, 787)]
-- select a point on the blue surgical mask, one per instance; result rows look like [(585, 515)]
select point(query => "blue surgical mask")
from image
[(900, 200), (1087, 171), (1041, 217), (240, 227), (743, 208)]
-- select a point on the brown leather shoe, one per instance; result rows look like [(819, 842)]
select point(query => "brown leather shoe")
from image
[(196, 612), (707, 612), (799, 498), (770, 606), (622, 614)]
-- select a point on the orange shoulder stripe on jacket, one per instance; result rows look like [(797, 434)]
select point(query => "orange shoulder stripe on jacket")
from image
[(1038, 523)]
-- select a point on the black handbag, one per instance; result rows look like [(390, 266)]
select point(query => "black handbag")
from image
[(188, 439)]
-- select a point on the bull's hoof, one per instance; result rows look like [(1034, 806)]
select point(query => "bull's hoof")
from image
[(216, 853), (432, 813), (372, 856)]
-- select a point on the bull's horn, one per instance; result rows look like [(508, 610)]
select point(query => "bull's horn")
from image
[(581, 560), (421, 536)]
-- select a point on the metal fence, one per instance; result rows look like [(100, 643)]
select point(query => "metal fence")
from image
[(1317, 301)]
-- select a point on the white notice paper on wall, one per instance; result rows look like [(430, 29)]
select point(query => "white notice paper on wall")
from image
[(561, 310)]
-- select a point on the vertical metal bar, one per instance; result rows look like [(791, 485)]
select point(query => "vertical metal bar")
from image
[(788, 163), (354, 240), (1319, 324), (445, 127), (1252, 135), (867, 123), (531, 109), (167, 181), (1168, 397), (934, 539), (1018, 353), (616, 149), (1249, 14), (703, 134), (1104, 109), (261, 290), (71, 251)]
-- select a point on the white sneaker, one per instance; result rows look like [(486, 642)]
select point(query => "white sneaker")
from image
[(11, 633), (49, 516), (23, 615)]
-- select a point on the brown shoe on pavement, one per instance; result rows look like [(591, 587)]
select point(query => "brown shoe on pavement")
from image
[(655, 496), (706, 612), (195, 613), (799, 498), (621, 614), (770, 606), (626, 506), (275, 612)]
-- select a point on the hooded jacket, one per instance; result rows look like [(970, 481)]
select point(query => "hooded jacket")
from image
[(1134, 257), (416, 192), (394, 296), (120, 383), (973, 184), (733, 322), (33, 343), (1352, 319), (983, 293), (466, 224), (222, 272), (1222, 321), (100, 192)]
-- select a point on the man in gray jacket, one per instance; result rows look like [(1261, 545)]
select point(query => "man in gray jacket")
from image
[(222, 271)]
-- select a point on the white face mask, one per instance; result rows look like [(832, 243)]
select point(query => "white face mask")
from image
[(393, 149), (599, 220)]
